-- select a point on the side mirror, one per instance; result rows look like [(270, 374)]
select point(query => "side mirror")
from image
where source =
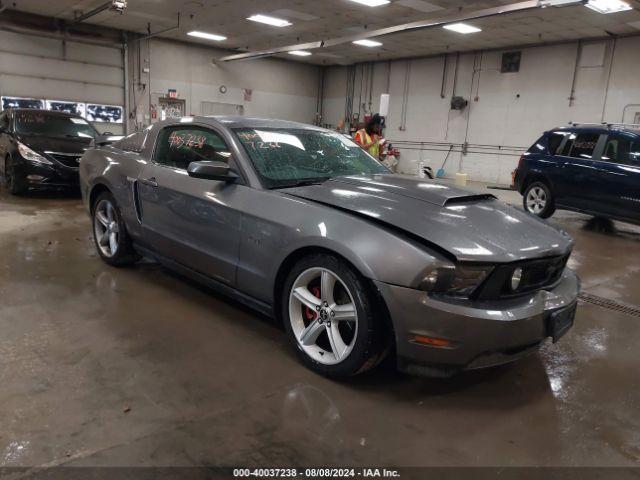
[(212, 170)]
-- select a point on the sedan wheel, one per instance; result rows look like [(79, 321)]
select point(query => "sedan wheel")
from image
[(323, 316), (334, 317)]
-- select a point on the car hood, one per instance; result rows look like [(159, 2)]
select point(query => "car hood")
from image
[(470, 226), (43, 144)]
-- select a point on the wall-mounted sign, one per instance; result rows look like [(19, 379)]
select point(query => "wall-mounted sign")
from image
[(173, 93)]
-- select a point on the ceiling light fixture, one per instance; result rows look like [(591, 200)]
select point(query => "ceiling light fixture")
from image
[(300, 53), (462, 28), (273, 21), (560, 3), (608, 6), (372, 3), (207, 36), (367, 43)]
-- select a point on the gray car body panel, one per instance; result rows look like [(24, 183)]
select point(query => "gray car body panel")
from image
[(392, 229)]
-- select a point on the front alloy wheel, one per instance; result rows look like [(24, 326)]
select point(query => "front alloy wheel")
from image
[(323, 316), (334, 317)]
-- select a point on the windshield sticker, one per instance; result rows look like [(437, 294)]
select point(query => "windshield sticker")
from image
[(31, 118), (188, 140)]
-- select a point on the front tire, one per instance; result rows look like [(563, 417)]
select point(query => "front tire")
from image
[(15, 185), (332, 317), (538, 200), (110, 233)]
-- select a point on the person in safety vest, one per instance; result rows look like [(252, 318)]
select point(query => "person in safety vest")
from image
[(369, 138)]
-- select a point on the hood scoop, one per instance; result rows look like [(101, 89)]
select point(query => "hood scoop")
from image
[(468, 199)]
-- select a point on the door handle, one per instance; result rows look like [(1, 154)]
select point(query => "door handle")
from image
[(150, 182)]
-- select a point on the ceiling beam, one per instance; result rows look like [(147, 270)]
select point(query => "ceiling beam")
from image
[(413, 26)]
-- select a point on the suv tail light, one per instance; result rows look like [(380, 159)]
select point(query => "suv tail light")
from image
[(513, 174)]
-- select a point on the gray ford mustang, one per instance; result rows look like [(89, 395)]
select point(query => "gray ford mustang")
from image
[(301, 224)]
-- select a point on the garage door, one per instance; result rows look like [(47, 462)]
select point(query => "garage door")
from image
[(67, 75)]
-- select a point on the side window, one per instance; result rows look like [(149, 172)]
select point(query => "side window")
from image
[(178, 146), (581, 145), (622, 150)]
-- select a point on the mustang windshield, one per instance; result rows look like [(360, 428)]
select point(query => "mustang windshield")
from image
[(53, 125), (286, 157)]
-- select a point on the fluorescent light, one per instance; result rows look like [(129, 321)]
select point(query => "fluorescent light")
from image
[(372, 3), (300, 53), (208, 36), (368, 43), (608, 6), (462, 28), (273, 21)]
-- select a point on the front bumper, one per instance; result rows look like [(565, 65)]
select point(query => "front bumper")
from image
[(46, 176), (480, 333)]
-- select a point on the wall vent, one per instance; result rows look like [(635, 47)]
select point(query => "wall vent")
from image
[(511, 62)]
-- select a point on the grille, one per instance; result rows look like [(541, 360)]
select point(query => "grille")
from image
[(536, 274), (71, 160)]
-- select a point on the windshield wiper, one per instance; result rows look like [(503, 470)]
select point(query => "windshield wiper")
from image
[(303, 183)]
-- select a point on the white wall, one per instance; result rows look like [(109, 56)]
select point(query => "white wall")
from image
[(498, 117), (281, 89)]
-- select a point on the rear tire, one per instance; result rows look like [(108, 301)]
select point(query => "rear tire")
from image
[(538, 200), (110, 232), (332, 317)]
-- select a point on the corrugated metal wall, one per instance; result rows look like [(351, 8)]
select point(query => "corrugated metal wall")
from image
[(48, 68)]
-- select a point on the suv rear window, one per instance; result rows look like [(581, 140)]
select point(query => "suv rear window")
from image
[(622, 150), (581, 145), (554, 141)]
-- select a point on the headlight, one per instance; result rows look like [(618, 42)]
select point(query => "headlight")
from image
[(31, 156), (459, 281)]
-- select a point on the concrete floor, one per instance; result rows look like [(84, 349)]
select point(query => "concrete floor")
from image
[(101, 366)]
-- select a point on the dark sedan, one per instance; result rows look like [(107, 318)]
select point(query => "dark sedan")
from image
[(41, 148)]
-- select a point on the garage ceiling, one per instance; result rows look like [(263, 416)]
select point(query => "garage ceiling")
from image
[(315, 20)]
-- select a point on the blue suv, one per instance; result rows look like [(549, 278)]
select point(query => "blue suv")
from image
[(588, 168)]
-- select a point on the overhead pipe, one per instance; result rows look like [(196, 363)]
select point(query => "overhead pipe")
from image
[(92, 13)]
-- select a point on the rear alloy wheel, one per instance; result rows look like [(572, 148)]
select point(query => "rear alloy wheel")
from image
[(110, 233), (538, 200), (329, 315)]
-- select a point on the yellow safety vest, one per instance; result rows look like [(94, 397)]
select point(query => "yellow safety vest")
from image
[(374, 150)]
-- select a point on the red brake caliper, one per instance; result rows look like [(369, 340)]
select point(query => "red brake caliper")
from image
[(308, 312)]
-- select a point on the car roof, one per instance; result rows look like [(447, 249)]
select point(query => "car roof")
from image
[(597, 128), (236, 121), (52, 112)]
